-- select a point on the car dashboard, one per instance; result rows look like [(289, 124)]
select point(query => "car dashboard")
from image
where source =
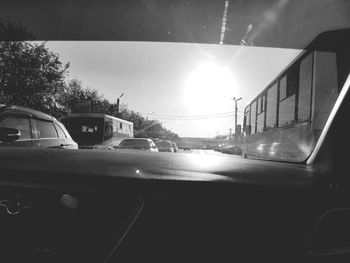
[(59, 212)]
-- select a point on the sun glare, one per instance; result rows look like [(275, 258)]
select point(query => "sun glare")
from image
[(208, 89)]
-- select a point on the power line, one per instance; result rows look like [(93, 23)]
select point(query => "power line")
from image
[(196, 118), (190, 116)]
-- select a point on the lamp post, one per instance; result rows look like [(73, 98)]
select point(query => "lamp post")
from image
[(236, 108), (118, 103)]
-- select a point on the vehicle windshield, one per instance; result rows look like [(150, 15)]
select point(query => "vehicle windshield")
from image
[(85, 131), (241, 79), (163, 143), (134, 144)]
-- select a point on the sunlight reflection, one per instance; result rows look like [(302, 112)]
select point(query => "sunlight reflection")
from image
[(260, 147), (273, 148), (305, 148), (203, 160)]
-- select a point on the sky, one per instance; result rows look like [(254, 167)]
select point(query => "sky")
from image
[(188, 87)]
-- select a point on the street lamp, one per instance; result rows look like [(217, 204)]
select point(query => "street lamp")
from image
[(236, 108), (118, 103)]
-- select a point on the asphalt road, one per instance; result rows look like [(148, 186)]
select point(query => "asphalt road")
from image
[(206, 152)]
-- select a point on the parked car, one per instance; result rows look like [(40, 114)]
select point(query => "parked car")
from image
[(26, 127), (164, 146), (138, 144)]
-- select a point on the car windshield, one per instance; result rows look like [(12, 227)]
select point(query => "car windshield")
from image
[(134, 144), (163, 143), (245, 79)]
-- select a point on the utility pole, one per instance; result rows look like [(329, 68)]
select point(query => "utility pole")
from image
[(118, 103), (236, 109), (230, 134)]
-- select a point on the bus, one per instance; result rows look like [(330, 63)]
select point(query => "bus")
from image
[(96, 130), (284, 121)]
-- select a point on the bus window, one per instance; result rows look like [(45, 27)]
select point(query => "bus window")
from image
[(325, 87), (286, 111), (108, 130), (121, 125), (261, 113), (246, 121), (263, 106), (288, 87), (271, 108), (115, 126), (293, 80), (249, 121), (305, 82), (253, 117), (283, 88)]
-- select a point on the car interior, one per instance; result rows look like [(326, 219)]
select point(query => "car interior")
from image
[(113, 206)]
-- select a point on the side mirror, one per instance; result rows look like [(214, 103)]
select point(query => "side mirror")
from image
[(9, 134)]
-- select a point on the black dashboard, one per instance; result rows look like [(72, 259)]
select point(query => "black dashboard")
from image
[(104, 206)]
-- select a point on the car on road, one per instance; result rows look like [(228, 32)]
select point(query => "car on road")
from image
[(138, 144), (164, 146), (26, 127), (187, 148)]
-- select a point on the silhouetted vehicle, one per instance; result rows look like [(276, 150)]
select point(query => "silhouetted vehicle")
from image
[(138, 144), (26, 127), (95, 130), (286, 119), (164, 146)]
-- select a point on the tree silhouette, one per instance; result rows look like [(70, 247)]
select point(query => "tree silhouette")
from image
[(33, 76), (30, 75)]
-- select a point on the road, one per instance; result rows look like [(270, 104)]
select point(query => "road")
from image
[(206, 152)]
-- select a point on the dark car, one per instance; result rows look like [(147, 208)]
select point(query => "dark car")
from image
[(164, 146), (187, 148), (138, 144), (25, 127)]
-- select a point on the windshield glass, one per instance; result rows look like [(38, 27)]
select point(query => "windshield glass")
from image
[(85, 131), (232, 77), (163, 143), (134, 144)]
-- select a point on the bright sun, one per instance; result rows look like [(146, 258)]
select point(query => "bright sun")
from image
[(209, 89)]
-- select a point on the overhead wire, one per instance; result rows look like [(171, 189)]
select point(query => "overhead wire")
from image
[(193, 117)]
